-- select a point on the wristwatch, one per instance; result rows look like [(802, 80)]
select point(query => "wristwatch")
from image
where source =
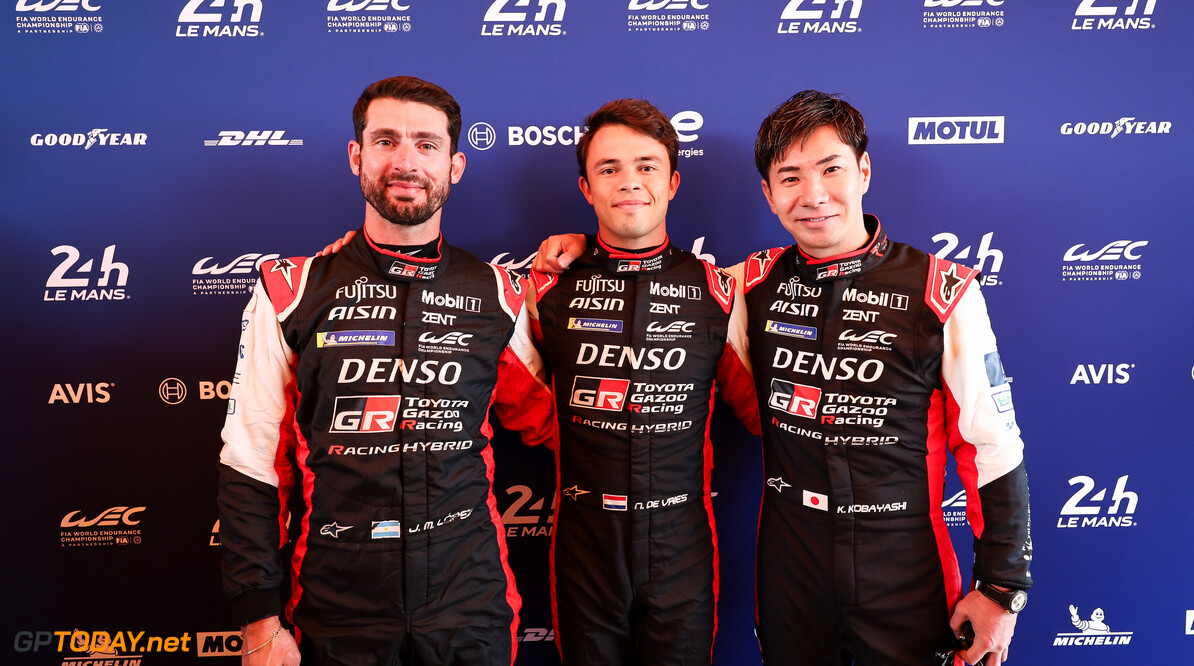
[(1012, 601)]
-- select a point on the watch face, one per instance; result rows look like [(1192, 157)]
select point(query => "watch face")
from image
[(1018, 601)]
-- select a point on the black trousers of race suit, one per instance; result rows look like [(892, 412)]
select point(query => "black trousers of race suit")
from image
[(445, 604), (882, 604), (634, 587)]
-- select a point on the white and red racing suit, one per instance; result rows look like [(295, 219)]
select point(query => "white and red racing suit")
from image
[(358, 433), (870, 366)]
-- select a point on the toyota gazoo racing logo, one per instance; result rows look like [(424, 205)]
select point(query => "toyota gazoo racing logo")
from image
[(524, 17), (668, 15), (219, 18), (950, 130), (1114, 15), (814, 16), (58, 17), (1125, 125), (368, 16), (955, 14), (599, 393), (236, 138), (792, 398), (95, 137), (365, 414)]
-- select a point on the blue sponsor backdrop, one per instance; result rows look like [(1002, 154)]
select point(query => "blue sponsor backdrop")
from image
[(152, 152)]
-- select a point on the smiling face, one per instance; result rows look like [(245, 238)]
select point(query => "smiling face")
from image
[(406, 168), (816, 191), (629, 181)]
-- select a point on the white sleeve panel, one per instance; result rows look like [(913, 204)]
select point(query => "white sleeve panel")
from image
[(262, 393), (973, 376)]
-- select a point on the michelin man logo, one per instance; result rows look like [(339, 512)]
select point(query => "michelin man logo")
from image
[(1094, 625), (1092, 631)]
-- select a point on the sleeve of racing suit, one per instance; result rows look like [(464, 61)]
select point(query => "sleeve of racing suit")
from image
[(735, 383), (985, 440), (254, 477), (522, 399)]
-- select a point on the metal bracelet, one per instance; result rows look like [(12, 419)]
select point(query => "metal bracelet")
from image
[(267, 642)]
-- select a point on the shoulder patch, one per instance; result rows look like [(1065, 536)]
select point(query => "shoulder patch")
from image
[(721, 285), (512, 291), (284, 279), (544, 281), (758, 265), (946, 283)]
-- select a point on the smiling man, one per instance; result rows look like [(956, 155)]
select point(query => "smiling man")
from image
[(871, 360), (637, 335), (357, 439)]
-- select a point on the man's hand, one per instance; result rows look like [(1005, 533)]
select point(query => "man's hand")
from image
[(280, 651), (993, 627), (336, 247), (557, 253)]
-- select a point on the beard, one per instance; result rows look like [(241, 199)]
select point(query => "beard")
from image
[(404, 211)]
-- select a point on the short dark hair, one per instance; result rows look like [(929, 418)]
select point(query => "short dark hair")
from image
[(796, 119), (637, 114), (409, 89)]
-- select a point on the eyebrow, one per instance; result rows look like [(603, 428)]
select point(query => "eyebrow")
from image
[(615, 161), (386, 131), (823, 160)]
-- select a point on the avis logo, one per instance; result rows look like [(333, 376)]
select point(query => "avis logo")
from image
[(365, 414), (59, 287), (949, 250), (796, 20), (252, 138), (236, 18), (795, 399), (1086, 510), (504, 18), (73, 394), (1106, 15), (1105, 373), (1113, 251), (599, 393)]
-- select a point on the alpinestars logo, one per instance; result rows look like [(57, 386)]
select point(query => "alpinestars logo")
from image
[(949, 250), (515, 18), (252, 138), (813, 16), (1091, 631), (963, 14), (667, 15), (1114, 15), (219, 18), (368, 16), (1117, 260), (58, 17)]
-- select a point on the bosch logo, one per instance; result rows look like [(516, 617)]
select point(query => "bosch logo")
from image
[(482, 136), (172, 391)]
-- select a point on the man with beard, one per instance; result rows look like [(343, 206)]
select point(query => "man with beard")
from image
[(357, 442)]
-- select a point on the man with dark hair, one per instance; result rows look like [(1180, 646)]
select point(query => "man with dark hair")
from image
[(871, 360), (637, 336), (357, 439)]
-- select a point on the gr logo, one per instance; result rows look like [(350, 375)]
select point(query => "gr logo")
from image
[(795, 399), (365, 414), (599, 393)]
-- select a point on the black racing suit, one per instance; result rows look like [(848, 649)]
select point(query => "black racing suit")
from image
[(358, 431), (636, 343), (870, 366)]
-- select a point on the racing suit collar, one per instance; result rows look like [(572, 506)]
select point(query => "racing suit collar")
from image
[(404, 268), (621, 262), (849, 264)]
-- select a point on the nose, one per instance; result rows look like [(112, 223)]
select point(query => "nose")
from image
[(402, 159), (814, 193)]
